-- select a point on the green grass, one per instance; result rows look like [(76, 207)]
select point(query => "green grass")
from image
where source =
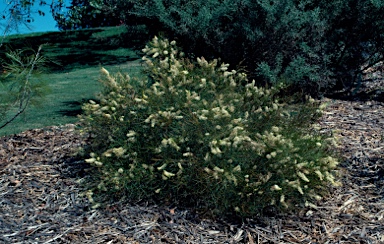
[(73, 76)]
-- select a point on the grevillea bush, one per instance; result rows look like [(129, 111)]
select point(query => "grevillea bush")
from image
[(193, 134)]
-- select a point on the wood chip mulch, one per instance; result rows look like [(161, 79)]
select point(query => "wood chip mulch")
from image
[(41, 198)]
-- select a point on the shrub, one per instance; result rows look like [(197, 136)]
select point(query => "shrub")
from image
[(190, 134)]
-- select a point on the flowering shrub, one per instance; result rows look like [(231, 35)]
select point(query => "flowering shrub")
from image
[(191, 134)]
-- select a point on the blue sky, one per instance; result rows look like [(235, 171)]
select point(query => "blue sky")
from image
[(40, 23)]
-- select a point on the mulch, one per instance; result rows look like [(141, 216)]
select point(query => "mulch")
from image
[(42, 199)]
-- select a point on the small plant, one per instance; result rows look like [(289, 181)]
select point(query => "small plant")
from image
[(19, 87), (192, 135)]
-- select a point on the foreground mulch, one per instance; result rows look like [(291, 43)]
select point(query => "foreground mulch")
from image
[(41, 199)]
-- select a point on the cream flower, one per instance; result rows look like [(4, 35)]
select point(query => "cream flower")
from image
[(276, 188)]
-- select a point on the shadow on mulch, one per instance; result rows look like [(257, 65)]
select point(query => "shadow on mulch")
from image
[(369, 170), (370, 90)]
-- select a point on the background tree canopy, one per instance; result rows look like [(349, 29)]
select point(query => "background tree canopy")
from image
[(85, 14), (315, 46)]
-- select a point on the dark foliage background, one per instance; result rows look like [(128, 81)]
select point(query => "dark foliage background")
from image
[(316, 46)]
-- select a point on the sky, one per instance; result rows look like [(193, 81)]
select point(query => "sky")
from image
[(40, 23)]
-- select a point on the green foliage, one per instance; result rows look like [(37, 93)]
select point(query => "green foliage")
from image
[(313, 45), (20, 86), (191, 134), (85, 14)]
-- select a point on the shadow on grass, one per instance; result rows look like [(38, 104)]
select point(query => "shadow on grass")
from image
[(73, 108), (69, 62), (74, 49)]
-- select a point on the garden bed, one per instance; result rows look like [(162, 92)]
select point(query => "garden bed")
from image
[(42, 201)]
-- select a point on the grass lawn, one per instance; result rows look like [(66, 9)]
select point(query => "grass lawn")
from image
[(72, 78)]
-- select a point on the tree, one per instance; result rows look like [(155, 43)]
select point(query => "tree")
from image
[(15, 14), (85, 14)]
